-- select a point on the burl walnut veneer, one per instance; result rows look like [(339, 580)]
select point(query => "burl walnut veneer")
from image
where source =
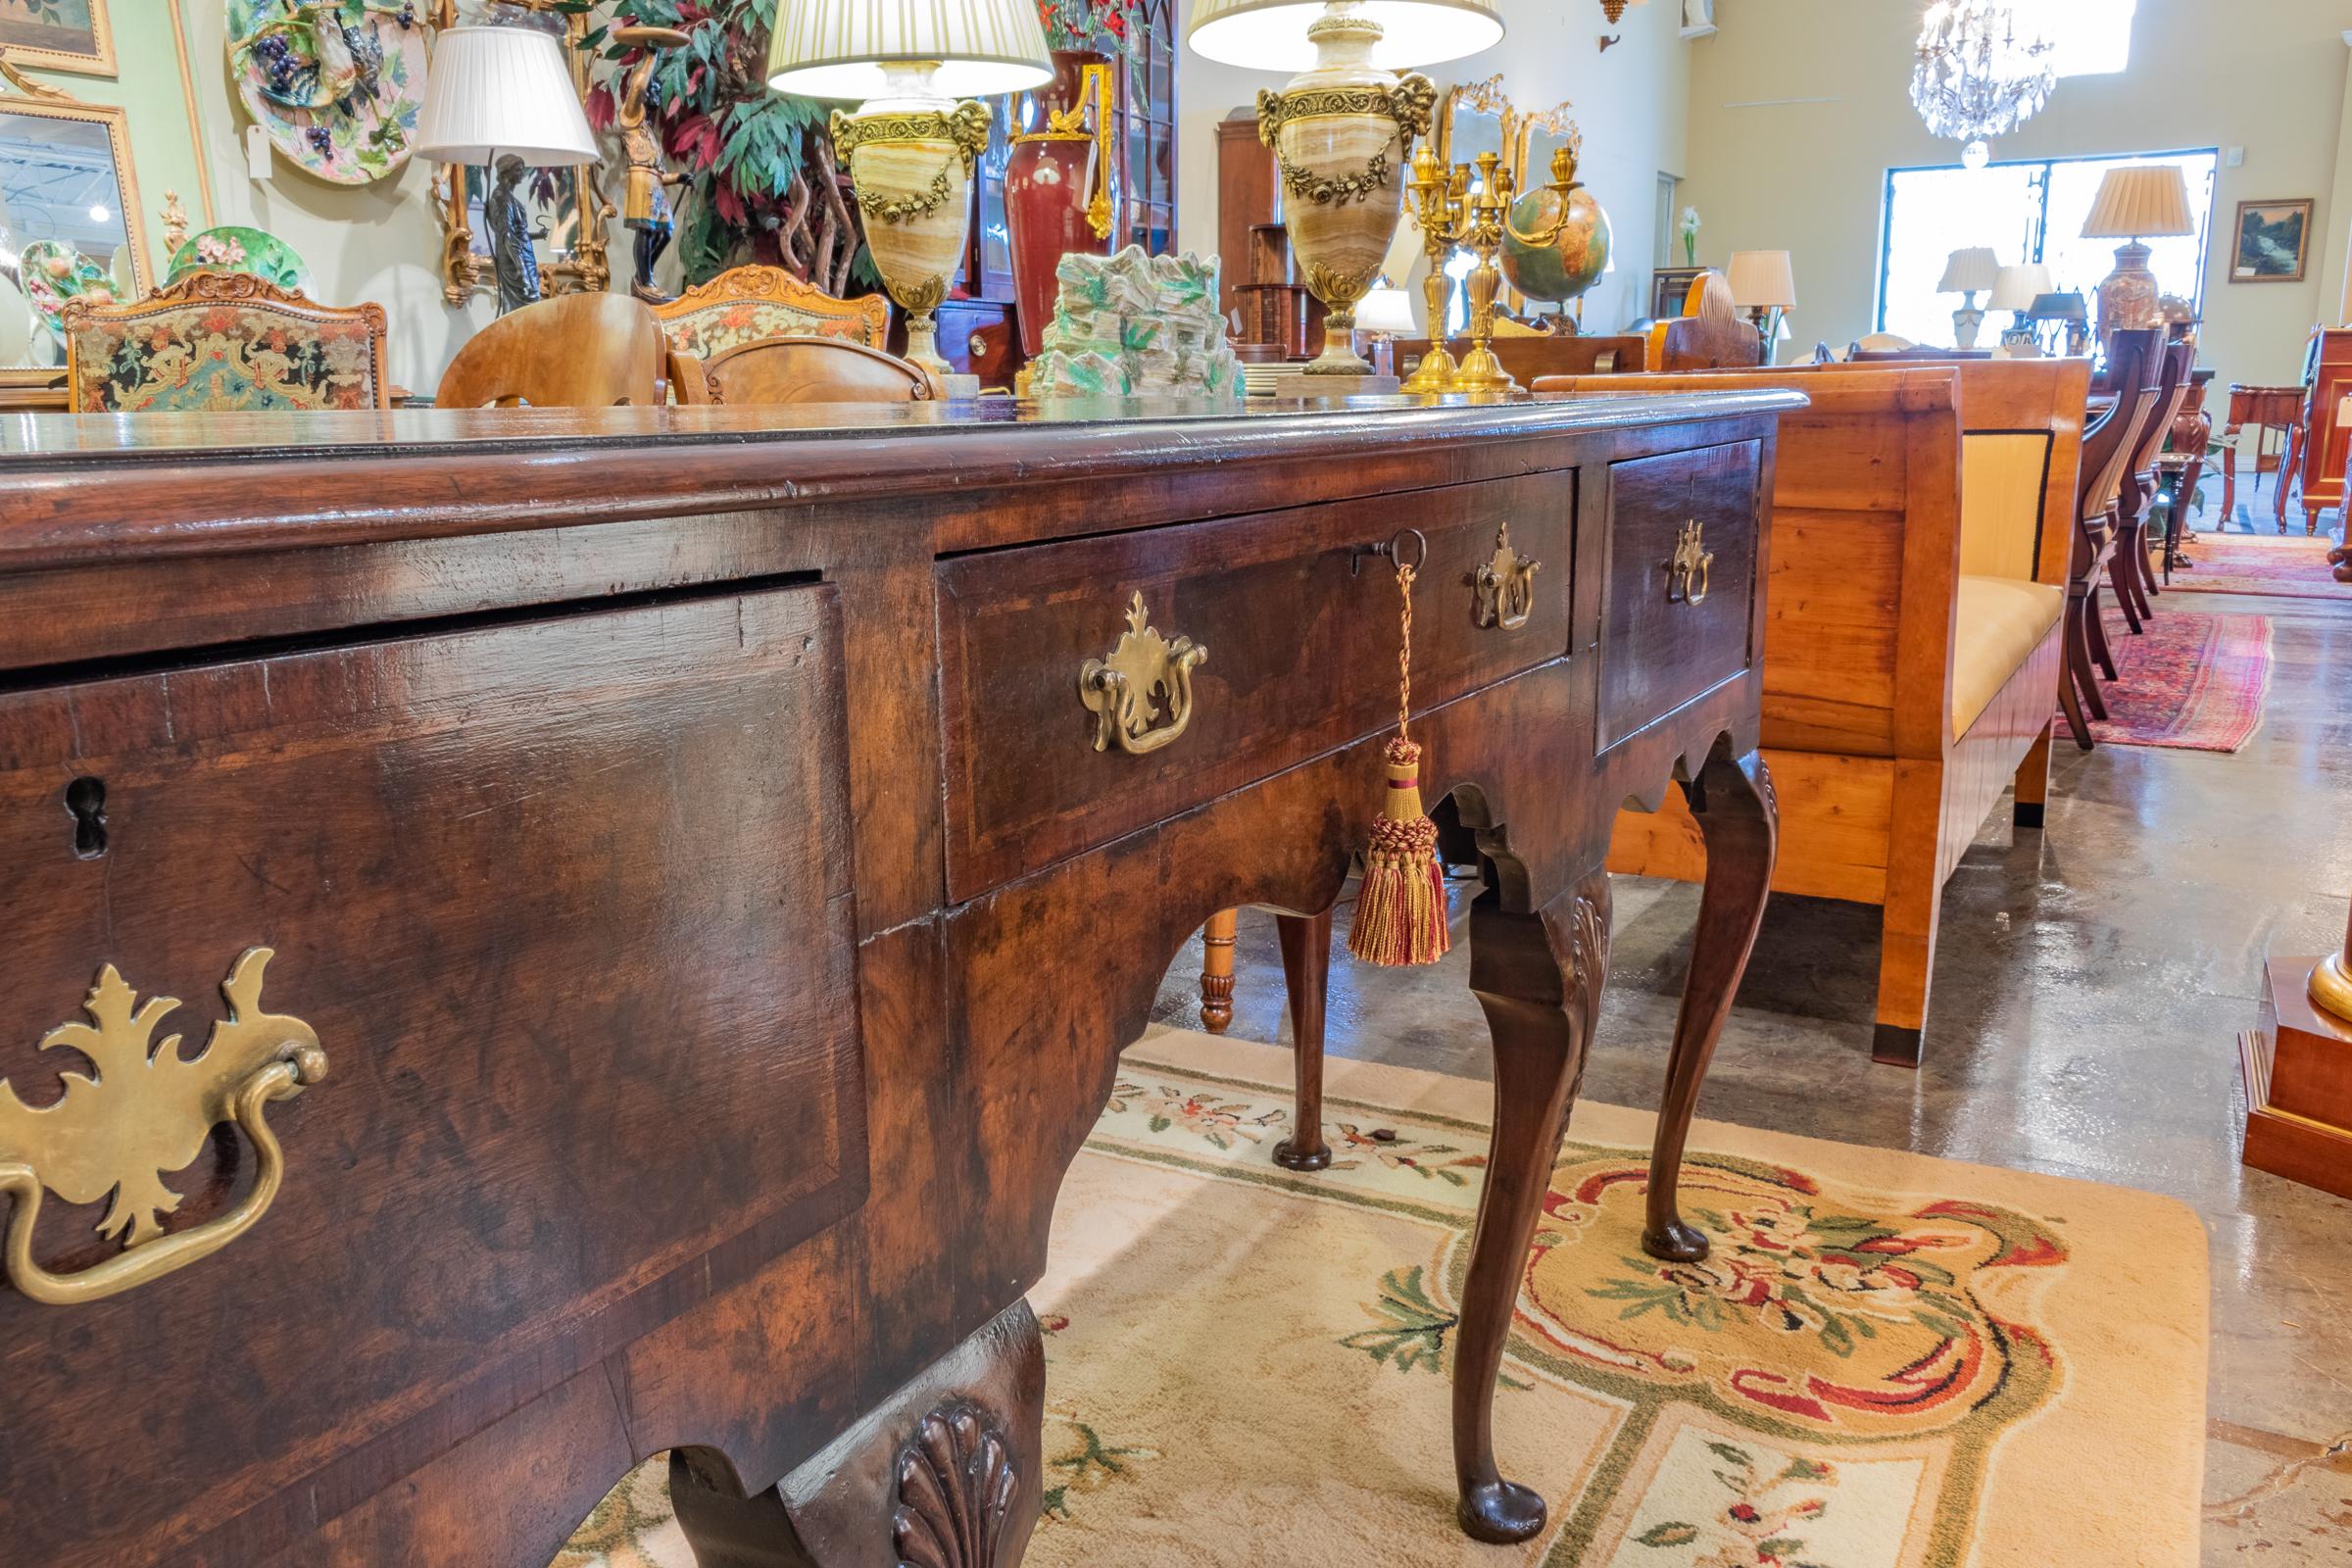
[(701, 924)]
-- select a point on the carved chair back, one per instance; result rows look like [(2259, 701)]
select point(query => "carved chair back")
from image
[(800, 369), (1709, 343), (576, 351), (218, 342), (750, 304)]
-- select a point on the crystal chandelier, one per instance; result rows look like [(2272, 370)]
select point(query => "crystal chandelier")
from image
[(1979, 75)]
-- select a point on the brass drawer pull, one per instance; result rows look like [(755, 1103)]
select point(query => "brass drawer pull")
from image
[(1686, 573), (140, 1118), (1502, 591), (1118, 690)]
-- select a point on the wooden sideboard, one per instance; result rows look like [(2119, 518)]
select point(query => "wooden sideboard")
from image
[(658, 919)]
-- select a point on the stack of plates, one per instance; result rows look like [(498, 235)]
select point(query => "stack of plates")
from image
[(1258, 381)]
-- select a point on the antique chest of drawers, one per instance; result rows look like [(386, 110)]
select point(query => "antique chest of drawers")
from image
[(655, 912)]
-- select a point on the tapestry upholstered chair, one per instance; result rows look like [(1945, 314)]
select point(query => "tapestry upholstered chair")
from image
[(218, 342), (575, 351), (749, 304), (799, 369)]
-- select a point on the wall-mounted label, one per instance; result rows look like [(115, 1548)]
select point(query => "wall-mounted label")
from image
[(257, 153)]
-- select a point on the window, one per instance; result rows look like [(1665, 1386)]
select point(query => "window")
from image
[(2026, 211), (2094, 36)]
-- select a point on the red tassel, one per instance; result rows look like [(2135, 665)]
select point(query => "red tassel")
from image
[(1400, 910)]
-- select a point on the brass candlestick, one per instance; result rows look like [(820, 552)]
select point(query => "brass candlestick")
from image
[(1434, 201), (1481, 222), (1452, 214)]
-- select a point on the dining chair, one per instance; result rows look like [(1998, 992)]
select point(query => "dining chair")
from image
[(223, 342), (747, 304), (575, 351), (800, 369), (2133, 370)]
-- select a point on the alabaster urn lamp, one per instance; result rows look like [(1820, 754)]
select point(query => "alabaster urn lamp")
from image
[(2139, 201), (1342, 130), (911, 145)]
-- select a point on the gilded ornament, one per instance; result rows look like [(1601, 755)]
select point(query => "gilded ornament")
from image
[(148, 1113), (1502, 591), (1118, 690), (1688, 572)]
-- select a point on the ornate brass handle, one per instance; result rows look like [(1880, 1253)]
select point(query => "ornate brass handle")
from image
[(1502, 591), (147, 1113), (1688, 571), (1118, 690), (976, 346)]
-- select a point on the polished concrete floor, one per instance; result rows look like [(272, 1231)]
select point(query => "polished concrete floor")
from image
[(2091, 983)]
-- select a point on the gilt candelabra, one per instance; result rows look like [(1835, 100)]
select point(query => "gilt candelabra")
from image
[(1454, 211)]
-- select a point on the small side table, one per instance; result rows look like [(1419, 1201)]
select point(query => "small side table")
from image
[(2266, 409)]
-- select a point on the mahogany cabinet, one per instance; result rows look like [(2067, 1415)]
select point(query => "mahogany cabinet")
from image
[(655, 913)]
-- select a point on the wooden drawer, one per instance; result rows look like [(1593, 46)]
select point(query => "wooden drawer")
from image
[(1660, 648), (567, 904), (1302, 655)]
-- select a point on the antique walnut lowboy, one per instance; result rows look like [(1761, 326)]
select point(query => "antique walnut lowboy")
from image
[(658, 896)]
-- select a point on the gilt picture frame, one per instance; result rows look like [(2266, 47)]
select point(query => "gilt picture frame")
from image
[(2270, 242), (75, 36)]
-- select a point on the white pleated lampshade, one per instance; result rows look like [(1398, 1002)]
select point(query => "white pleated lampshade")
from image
[(1971, 269), (836, 48), (2140, 201), (1763, 280), (497, 90), (1271, 34), (2019, 286)]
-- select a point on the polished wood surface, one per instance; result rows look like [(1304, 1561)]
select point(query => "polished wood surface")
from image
[(2327, 437), (575, 351), (2296, 1066), (799, 369), (1880, 791), (2266, 408), (1527, 358), (647, 855), (1217, 971)]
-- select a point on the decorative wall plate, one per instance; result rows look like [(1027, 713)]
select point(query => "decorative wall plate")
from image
[(55, 272), (335, 83), (233, 248)]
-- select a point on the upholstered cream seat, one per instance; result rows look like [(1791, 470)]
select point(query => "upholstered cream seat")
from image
[(1997, 624)]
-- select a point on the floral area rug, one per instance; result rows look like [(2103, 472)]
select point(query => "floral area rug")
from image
[(2291, 567), (1890, 1361), (2193, 680)]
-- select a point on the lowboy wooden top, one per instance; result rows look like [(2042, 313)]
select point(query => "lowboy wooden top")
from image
[(682, 832)]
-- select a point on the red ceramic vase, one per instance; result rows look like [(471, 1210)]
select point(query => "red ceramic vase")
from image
[(1048, 180)]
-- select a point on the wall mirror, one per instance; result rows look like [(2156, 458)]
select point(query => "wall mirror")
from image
[(568, 210), (68, 219), (1475, 118)]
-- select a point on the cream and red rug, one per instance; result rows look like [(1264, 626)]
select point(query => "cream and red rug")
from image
[(2289, 566), (1890, 1361)]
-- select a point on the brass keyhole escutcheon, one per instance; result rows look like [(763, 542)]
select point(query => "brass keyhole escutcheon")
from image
[(1691, 564)]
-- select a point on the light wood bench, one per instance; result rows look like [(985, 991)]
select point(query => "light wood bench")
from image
[(1913, 645)]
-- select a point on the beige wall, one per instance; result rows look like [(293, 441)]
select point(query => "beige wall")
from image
[(1632, 103), (1808, 176)]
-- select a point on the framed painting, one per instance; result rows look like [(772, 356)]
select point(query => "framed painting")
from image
[(59, 35), (2273, 243)]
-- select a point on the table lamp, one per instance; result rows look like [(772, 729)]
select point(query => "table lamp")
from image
[(2069, 310), (2135, 202), (1970, 272), (504, 96), (2015, 291), (910, 146), (1342, 130), (1384, 314), (1764, 289)]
